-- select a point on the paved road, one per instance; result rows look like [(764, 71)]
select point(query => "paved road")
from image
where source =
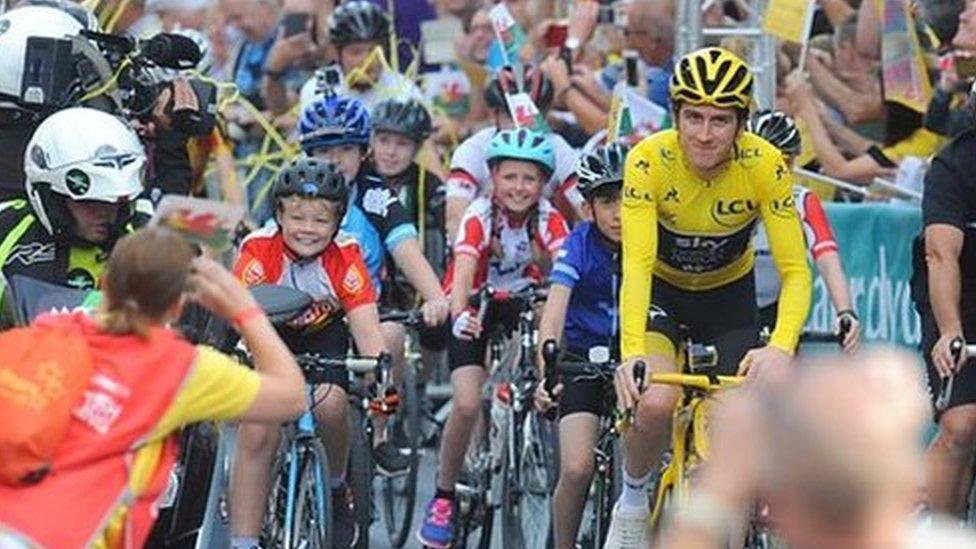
[(425, 491)]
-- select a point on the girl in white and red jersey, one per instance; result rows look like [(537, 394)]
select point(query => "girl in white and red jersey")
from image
[(781, 131), (503, 240)]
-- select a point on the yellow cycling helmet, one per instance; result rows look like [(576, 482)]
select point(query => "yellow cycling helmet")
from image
[(712, 76)]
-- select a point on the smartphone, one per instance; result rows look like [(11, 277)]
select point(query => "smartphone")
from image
[(965, 65), (294, 23), (631, 68), (606, 13), (556, 35), (567, 57)]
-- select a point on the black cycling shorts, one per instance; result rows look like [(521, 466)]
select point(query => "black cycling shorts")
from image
[(725, 317), (583, 396), (499, 316), (331, 342), (964, 384)]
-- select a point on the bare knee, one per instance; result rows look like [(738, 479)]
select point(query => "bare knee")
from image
[(577, 471), (332, 406), (466, 409), (957, 430), (257, 439), (657, 405)]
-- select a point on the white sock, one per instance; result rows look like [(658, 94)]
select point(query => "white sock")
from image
[(244, 543), (634, 490)]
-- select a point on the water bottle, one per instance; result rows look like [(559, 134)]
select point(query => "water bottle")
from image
[(501, 402)]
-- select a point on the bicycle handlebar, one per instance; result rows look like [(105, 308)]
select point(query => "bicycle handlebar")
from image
[(837, 337), (407, 318), (946, 384), (315, 365), (489, 294)]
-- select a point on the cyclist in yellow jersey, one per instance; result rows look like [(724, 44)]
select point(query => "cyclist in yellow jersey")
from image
[(691, 198)]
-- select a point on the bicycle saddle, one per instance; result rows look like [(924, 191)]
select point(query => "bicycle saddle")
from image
[(280, 303)]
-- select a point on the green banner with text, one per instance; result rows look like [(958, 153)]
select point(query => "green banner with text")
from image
[(876, 251)]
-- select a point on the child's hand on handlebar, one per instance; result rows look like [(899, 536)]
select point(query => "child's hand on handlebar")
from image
[(543, 400), (467, 325)]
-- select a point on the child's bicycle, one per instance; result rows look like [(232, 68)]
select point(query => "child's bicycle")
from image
[(508, 463), (397, 492), (605, 485)]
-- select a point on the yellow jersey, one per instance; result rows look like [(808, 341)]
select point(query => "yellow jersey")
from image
[(696, 234)]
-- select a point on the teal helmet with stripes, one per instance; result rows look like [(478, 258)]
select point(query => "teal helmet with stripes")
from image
[(523, 144)]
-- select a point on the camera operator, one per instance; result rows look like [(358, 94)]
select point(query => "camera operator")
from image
[(18, 119)]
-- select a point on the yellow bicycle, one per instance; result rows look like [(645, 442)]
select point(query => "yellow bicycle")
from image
[(689, 436)]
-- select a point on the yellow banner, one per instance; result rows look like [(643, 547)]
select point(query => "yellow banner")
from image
[(906, 80), (788, 19)]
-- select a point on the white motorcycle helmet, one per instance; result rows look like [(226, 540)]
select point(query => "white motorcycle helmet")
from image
[(82, 154), (19, 24)]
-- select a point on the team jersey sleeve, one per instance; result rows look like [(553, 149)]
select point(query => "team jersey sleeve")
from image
[(467, 169), (553, 231), (820, 238), (387, 214), (218, 388), (638, 225), (350, 277), (782, 221), (472, 235), (248, 268), (568, 267)]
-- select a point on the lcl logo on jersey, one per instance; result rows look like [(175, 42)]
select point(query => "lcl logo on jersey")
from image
[(724, 210), (633, 193), (783, 208), (747, 157)]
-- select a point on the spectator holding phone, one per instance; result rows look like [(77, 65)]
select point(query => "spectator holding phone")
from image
[(649, 31)]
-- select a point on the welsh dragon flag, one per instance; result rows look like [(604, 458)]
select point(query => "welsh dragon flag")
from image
[(633, 116)]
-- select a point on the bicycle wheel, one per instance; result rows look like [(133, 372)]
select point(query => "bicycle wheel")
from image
[(527, 498), (274, 531), (602, 495), (359, 475), (313, 505), (400, 492)]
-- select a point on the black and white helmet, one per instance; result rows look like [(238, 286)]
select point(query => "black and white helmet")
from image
[(358, 21), (602, 166), (778, 128), (310, 177)]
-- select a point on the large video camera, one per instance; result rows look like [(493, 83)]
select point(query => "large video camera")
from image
[(115, 73)]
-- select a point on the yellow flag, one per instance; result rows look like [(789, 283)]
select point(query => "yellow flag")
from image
[(788, 19)]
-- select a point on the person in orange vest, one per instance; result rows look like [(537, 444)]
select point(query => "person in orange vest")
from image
[(121, 445)]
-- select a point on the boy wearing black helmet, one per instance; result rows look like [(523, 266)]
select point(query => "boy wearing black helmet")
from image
[(580, 314), (306, 250), (400, 128)]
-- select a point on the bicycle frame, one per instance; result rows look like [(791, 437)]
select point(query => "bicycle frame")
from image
[(304, 429), (689, 438)]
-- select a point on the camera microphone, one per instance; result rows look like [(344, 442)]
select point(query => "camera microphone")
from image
[(171, 51)]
